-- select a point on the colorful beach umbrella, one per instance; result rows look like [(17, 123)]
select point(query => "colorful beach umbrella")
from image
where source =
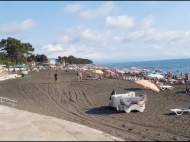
[(148, 85), (122, 72), (112, 73), (107, 71), (97, 72)]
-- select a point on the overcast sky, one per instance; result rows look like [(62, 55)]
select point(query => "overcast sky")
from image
[(102, 31)]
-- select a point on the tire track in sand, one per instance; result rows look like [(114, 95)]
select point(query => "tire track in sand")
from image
[(76, 111)]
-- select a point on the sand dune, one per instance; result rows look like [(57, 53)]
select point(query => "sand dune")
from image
[(86, 103)]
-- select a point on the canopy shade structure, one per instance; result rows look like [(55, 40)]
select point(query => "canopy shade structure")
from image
[(20, 66)]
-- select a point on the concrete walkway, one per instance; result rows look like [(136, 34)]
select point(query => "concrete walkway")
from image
[(18, 125)]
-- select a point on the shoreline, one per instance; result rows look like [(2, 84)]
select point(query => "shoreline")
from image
[(86, 103)]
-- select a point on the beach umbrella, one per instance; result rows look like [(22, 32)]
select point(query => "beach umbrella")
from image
[(148, 85), (112, 73), (97, 72), (107, 71), (122, 72)]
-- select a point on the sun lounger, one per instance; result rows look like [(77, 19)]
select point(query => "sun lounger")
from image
[(163, 87), (180, 111), (93, 78)]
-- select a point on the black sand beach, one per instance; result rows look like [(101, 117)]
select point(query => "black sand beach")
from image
[(86, 103)]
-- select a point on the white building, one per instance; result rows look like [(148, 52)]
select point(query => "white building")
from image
[(51, 61), (2, 68)]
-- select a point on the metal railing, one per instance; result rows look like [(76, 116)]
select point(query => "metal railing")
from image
[(7, 101)]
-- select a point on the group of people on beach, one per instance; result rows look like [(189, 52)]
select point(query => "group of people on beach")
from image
[(155, 81)]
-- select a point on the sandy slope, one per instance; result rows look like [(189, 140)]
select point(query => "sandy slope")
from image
[(86, 103)]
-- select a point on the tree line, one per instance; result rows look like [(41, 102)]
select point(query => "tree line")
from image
[(13, 51), (73, 60)]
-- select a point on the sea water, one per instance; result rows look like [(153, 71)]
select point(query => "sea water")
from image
[(176, 66)]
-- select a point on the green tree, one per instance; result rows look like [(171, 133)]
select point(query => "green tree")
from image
[(73, 60), (28, 49), (16, 50), (66, 59), (31, 58), (41, 58)]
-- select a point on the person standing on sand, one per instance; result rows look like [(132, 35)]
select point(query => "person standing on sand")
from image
[(187, 89), (80, 76), (116, 74), (55, 75)]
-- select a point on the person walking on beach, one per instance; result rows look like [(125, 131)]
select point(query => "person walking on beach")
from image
[(55, 75)]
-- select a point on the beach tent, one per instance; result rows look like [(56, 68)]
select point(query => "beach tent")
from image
[(20, 66)]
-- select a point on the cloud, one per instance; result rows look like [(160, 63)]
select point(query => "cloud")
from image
[(74, 30), (155, 46), (187, 33), (63, 40), (145, 23), (118, 39), (79, 51), (171, 54), (154, 36), (95, 36), (51, 47), (136, 35), (72, 8), (105, 43), (100, 11), (15, 27), (186, 53), (122, 21)]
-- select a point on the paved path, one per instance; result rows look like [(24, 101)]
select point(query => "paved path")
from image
[(18, 125)]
